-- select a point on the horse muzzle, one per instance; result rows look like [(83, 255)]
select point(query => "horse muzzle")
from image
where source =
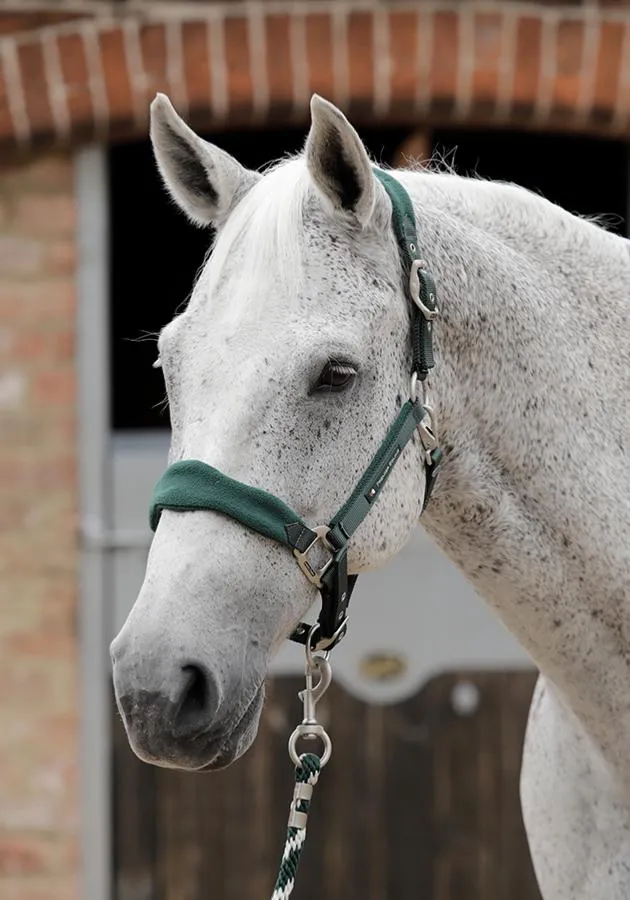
[(176, 714)]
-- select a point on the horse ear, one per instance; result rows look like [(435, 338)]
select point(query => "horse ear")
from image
[(338, 161), (204, 181)]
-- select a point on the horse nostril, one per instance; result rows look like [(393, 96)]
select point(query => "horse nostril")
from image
[(199, 701)]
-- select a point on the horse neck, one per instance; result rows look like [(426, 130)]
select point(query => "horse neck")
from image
[(532, 374)]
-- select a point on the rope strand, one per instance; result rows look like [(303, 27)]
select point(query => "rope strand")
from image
[(306, 776)]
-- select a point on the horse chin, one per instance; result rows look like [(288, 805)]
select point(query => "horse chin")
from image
[(239, 739)]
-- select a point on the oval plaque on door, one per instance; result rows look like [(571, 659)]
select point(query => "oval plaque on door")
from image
[(382, 666)]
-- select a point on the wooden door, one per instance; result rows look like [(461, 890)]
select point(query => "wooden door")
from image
[(419, 802)]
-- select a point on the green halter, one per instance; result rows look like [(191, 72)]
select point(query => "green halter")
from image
[(193, 485)]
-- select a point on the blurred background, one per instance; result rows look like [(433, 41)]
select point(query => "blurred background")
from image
[(430, 698)]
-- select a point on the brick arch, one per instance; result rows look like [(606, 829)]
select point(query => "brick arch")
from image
[(537, 67)]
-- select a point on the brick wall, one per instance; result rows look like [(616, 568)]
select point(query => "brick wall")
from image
[(38, 553), (536, 64)]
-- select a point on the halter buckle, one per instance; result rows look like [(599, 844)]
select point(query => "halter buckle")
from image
[(428, 434), (315, 575), (429, 313)]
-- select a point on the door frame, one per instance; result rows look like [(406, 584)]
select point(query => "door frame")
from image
[(94, 479)]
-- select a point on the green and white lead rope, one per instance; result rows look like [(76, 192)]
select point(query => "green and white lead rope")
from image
[(306, 775)]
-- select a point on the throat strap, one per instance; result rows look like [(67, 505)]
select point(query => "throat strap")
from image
[(420, 284)]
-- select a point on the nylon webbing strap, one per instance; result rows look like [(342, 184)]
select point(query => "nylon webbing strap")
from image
[(403, 216), (422, 285), (358, 505)]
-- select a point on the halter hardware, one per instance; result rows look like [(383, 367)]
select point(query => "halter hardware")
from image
[(315, 575), (193, 485), (418, 286)]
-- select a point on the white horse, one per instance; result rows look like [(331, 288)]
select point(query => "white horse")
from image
[(286, 370)]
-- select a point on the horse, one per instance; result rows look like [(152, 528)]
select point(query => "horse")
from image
[(285, 370)]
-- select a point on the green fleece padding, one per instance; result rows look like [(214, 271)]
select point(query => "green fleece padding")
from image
[(193, 485)]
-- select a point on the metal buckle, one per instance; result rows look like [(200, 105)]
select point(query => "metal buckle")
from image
[(428, 434), (414, 290), (315, 575), (325, 645)]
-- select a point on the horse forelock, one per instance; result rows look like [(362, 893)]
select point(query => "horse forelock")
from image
[(262, 238)]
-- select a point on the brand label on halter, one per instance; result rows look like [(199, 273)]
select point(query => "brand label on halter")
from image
[(382, 478)]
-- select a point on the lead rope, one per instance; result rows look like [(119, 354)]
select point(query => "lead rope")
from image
[(307, 767), (306, 775)]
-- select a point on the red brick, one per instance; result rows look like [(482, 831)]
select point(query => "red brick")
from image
[(444, 69), (20, 255), (42, 347), (76, 81), (196, 64), (33, 74), (38, 760), (238, 64), (30, 680), (319, 55), (116, 75), (45, 214), (361, 60), (29, 854), (153, 53), (527, 62), (488, 39), (49, 301), (44, 602), (55, 387), (48, 644), (608, 65), (40, 887), (60, 257), (48, 172), (569, 70), (403, 54), (279, 62)]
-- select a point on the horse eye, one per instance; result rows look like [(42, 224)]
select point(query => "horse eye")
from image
[(334, 378)]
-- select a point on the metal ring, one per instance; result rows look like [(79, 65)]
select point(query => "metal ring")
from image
[(323, 737), (328, 643)]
